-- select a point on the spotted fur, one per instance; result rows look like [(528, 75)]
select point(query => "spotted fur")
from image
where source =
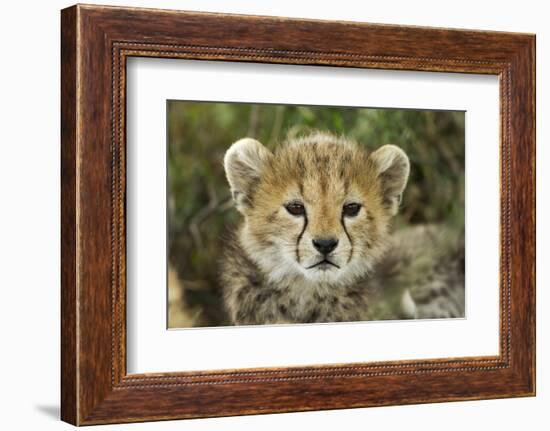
[(273, 271)]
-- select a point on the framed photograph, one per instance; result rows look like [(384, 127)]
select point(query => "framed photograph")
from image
[(264, 214)]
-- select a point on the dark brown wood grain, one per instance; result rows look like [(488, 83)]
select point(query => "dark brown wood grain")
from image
[(68, 217), (96, 41)]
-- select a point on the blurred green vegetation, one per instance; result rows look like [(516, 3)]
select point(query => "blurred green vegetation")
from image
[(200, 209)]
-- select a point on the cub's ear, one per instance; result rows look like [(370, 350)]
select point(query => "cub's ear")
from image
[(243, 164), (393, 169)]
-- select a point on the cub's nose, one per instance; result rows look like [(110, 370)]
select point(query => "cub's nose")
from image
[(325, 245)]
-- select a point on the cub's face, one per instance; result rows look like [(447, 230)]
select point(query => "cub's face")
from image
[(318, 209)]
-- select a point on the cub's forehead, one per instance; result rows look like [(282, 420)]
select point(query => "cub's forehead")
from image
[(320, 164)]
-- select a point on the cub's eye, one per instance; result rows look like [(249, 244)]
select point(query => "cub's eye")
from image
[(351, 210), (295, 208)]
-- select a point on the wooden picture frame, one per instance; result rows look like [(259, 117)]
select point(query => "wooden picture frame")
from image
[(95, 43)]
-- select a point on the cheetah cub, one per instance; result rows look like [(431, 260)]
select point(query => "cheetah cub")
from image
[(315, 242)]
